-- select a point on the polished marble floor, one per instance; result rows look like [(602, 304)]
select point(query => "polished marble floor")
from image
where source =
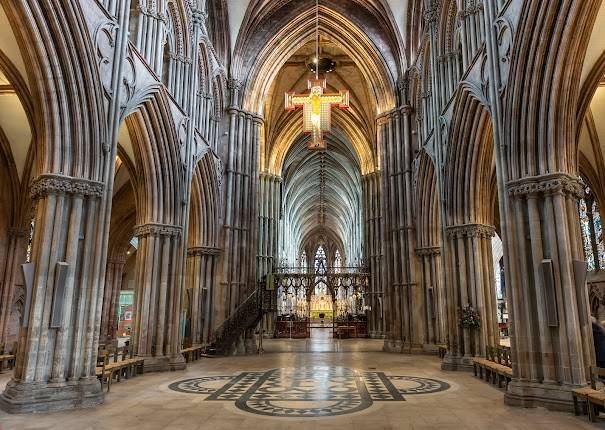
[(349, 385)]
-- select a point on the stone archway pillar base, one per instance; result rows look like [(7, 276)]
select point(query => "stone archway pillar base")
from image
[(457, 363), (554, 396), (21, 398)]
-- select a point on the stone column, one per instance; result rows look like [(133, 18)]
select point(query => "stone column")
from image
[(471, 275), (15, 250), (268, 221), (151, 36), (111, 298), (200, 282), (551, 330), (269, 210), (158, 296), (373, 251), (241, 184), (434, 296), (402, 293), (56, 355)]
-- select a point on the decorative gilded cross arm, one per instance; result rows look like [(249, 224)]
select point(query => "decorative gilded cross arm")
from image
[(317, 110)]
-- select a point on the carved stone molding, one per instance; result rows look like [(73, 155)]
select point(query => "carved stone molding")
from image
[(47, 184), (470, 230), (157, 229), (234, 84), (198, 17), (203, 250), (472, 7), (431, 13), (428, 251), (403, 85), (546, 184), (406, 109)]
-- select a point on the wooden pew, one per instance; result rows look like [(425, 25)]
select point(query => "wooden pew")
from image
[(192, 353), (590, 395), (442, 350), (496, 368), (124, 364), (104, 374), (7, 357)]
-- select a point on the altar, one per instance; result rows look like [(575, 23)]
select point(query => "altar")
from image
[(321, 307)]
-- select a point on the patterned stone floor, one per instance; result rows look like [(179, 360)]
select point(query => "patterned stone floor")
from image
[(359, 388), (314, 391)]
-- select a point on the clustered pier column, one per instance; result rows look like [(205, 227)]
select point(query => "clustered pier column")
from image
[(471, 274), (404, 301), (373, 234), (552, 334), (241, 204), (15, 253), (57, 345), (111, 298), (269, 212), (434, 316), (200, 275), (158, 296)]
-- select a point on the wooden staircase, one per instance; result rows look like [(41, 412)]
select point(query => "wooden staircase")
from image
[(246, 317)]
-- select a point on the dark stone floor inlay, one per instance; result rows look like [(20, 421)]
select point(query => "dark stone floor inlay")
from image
[(308, 391)]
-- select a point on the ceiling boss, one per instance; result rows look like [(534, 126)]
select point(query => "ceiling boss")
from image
[(317, 105)]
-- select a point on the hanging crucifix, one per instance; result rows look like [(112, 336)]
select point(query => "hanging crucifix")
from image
[(317, 110), (317, 106)]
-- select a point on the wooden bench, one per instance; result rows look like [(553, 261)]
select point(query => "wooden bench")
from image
[(123, 365), (192, 353), (591, 396), (496, 368), (442, 350), (7, 357), (104, 374)]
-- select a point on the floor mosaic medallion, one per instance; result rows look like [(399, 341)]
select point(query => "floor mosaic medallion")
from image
[(308, 391)]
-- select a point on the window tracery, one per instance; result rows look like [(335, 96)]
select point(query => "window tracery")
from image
[(592, 231)]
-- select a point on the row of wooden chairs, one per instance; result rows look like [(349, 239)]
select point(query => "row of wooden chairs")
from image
[(592, 397), (496, 367), (117, 364), (8, 357)]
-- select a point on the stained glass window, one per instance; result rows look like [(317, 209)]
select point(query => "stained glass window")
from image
[(30, 240), (592, 231), (337, 261)]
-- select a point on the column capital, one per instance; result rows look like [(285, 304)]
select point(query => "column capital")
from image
[(234, 84), (428, 251), (46, 184), (546, 184), (406, 109), (157, 229), (198, 17), (470, 230), (203, 250)]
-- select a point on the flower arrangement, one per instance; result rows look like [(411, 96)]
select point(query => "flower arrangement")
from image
[(469, 317)]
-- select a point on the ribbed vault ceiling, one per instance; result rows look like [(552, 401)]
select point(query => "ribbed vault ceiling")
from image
[(322, 195)]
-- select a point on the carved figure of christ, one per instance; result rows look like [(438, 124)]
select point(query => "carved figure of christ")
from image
[(317, 110)]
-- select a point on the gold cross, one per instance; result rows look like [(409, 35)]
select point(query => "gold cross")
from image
[(317, 110)]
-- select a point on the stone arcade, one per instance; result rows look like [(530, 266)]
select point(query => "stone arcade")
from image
[(164, 215)]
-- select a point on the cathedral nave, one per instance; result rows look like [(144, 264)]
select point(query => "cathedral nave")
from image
[(333, 213)]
